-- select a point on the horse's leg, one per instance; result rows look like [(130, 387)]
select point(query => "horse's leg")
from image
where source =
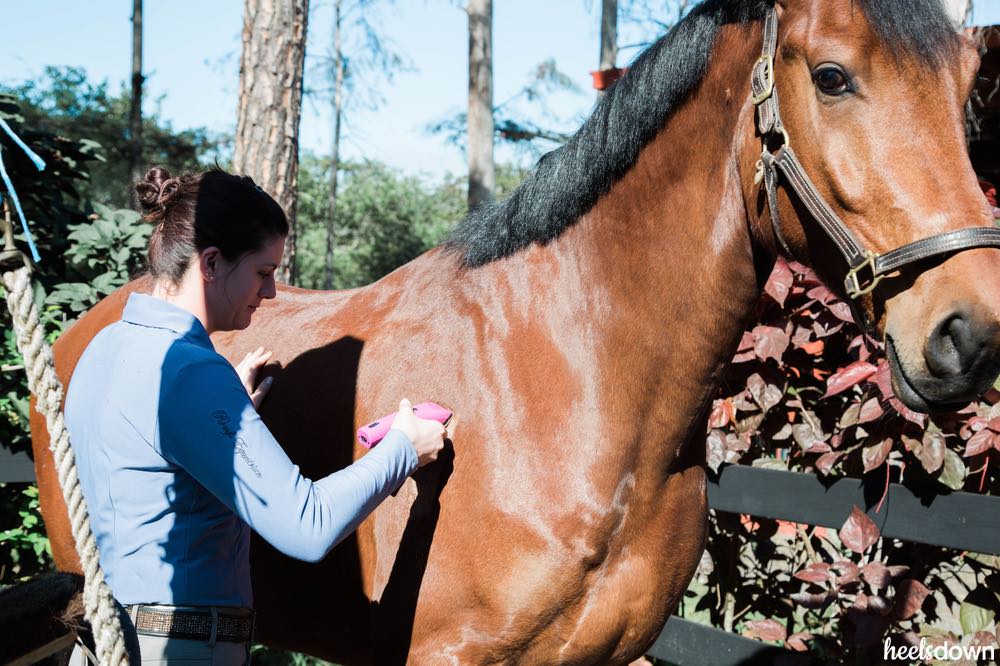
[(559, 610)]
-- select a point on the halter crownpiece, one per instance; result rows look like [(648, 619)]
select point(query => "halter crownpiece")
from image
[(865, 268)]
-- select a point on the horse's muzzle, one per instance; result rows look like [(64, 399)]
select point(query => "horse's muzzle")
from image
[(961, 360)]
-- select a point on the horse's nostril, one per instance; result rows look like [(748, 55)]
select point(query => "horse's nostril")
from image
[(951, 348)]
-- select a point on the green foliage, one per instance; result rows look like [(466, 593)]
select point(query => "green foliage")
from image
[(384, 219), (105, 253), (24, 548), (52, 203), (62, 102), (265, 656)]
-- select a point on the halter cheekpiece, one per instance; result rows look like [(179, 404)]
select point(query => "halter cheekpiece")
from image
[(865, 268)]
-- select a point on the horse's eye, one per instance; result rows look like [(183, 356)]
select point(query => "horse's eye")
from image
[(831, 80)]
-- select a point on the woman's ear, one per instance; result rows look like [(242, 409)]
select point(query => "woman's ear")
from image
[(209, 261)]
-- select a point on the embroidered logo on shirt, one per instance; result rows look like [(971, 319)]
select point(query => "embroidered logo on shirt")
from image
[(223, 420)]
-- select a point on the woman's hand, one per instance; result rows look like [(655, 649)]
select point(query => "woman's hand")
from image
[(427, 436), (247, 370)]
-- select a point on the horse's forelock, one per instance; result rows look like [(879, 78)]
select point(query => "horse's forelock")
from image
[(918, 29)]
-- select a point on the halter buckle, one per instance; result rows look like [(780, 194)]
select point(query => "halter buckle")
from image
[(855, 287), (764, 74)]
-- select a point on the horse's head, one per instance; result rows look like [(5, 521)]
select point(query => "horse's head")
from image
[(872, 97)]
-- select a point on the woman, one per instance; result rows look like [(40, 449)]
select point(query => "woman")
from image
[(175, 464)]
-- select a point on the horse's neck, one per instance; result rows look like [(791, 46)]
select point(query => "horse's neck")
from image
[(665, 262)]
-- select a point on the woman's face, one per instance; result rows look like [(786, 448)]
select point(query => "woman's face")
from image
[(237, 289)]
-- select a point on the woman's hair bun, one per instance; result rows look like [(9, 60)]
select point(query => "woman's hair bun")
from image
[(156, 192)]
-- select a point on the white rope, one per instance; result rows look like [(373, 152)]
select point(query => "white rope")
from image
[(99, 604)]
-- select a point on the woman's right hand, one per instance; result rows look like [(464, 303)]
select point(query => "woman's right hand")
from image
[(427, 435)]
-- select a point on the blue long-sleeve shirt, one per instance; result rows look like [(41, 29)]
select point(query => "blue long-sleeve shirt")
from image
[(175, 463)]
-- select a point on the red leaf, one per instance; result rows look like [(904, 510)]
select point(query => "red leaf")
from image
[(810, 440), (817, 572), (870, 411), (818, 447), (769, 342), (910, 596), (780, 282), (745, 350), (983, 440), (897, 570), (765, 630), (826, 461), (883, 379), (879, 604), (877, 575), (873, 456), (847, 377), (931, 453), (723, 412), (764, 394), (858, 532), (824, 329), (812, 600), (821, 293), (907, 413), (847, 572), (797, 641), (841, 311), (715, 449), (814, 348), (802, 336), (850, 415)]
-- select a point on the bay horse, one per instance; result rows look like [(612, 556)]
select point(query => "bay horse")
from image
[(578, 330)]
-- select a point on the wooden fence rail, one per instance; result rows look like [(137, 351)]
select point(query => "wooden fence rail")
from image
[(964, 521)]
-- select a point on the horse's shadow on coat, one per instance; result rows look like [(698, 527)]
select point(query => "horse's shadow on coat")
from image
[(318, 435), (395, 611)]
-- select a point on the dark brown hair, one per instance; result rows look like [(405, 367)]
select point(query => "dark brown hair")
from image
[(213, 208)]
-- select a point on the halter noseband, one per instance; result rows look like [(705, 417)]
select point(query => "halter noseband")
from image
[(865, 268)]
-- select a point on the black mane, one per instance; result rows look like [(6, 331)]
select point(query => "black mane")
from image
[(568, 181)]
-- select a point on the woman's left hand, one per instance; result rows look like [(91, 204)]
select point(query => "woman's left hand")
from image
[(247, 370)]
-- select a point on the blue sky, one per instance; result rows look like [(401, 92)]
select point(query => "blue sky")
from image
[(192, 59)]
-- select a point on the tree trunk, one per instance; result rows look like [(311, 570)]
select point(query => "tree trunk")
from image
[(609, 34), (338, 105), (267, 126), (135, 166), (480, 125)]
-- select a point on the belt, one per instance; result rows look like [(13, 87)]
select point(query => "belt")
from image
[(208, 623)]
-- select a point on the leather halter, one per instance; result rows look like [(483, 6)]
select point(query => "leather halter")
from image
[(865, 268)]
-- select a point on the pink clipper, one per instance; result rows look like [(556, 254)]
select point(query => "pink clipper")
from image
[(372, 434)]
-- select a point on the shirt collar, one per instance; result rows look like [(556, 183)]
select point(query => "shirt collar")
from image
[(145, 310)]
